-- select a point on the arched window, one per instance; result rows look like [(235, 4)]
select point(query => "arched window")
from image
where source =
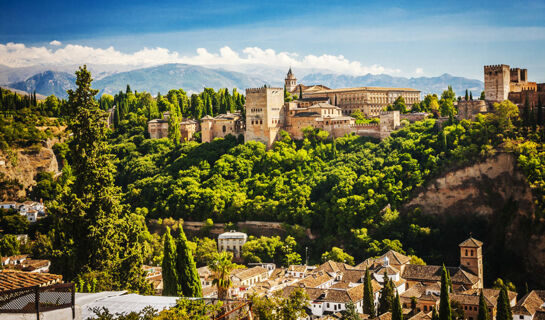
[(224, 129)]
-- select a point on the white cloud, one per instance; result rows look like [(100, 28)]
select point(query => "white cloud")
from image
[(55, 43), (419, 71), (19, 55)]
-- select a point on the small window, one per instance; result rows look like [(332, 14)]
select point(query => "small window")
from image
[(472, 253), (224, 129)]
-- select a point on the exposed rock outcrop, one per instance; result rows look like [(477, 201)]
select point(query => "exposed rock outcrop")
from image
[(25, 164), (480, 189)]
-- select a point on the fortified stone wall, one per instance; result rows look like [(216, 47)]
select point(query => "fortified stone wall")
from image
[(470, 109)]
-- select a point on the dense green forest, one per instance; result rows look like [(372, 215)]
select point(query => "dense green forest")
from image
[(346, 190)]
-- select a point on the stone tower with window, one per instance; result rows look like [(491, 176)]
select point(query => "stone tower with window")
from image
[(290, 82), (264, 114), (496, 82), (471, 258)]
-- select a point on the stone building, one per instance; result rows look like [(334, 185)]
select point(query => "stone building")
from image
[(369, 100), (222, 125), (232, 241), (502, 82), (267, 114), (158, 128)]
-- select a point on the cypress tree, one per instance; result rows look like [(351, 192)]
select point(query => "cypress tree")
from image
[(386, 296), (470, 96), (504, 309), (434, 315), (397, 313), (467, 96), (483, 308), (539, 113), (174, 133), (526, 112), (92, 227), (300, 92), (368, 300), (170, 277), (188, 278), (445, 312)]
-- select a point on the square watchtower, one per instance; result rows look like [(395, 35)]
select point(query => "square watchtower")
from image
[(471, 258)]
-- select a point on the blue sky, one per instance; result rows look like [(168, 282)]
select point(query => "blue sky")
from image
[(408, 38)]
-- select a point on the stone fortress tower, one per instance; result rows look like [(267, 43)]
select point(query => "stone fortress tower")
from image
[(471, 257), (496, 82), (290, 82), (265, 114)]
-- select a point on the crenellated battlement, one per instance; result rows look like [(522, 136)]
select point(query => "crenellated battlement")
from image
[(261, 90), (365, 125), (496, 67)]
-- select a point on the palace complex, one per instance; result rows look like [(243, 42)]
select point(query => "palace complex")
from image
[(318, 107)]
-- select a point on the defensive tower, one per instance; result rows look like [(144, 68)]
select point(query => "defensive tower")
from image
[(496, 82)]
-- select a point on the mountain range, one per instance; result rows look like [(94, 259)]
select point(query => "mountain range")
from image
[(193, 79)]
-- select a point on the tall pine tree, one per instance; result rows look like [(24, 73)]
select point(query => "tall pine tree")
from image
[(170, 276), (368, 298), (483, 308), (188, 278), (445, 312)]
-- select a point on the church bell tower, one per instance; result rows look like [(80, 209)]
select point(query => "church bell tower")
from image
[(290, 82), (471, 258)]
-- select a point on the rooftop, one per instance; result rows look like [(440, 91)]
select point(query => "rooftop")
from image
[(12, 279), (233, 235), (471, 243), (365, 89)]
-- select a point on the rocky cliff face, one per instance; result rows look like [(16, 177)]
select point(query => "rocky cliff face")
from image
[(481, 189), (27, 164), (497, 192)]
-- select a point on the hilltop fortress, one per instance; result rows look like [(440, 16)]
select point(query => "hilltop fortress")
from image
[(317, 106), (504, 83)]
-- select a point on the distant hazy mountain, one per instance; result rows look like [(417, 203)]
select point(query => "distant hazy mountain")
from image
[(47, 83), (424, 84), (112, 79), (174, 76)]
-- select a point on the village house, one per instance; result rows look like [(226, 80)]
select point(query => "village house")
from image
[(232, 241), (32, 210), (531, 306)]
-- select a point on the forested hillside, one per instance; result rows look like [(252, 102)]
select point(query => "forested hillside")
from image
[(339, 188), (348, 191)]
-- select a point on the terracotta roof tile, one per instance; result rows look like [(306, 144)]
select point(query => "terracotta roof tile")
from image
[(433, 273), (12, 279), (471, 243), (250, 273)]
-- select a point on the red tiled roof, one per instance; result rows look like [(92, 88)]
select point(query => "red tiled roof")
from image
[(471, 243), (12, 279)]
